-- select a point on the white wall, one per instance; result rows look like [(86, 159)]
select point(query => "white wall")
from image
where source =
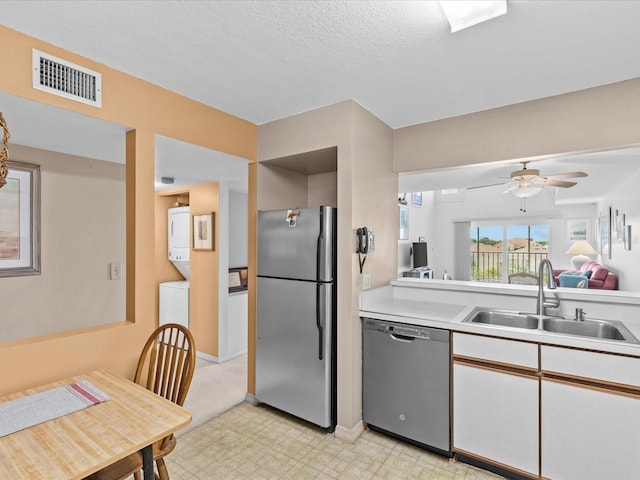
[(82, 232), (624, 198), (421, 224), (238, 236)]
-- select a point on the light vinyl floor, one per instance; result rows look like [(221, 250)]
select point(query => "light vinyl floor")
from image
[(258, 442)]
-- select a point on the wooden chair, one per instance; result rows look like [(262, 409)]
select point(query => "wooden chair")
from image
[(165, 367), (523, 278)]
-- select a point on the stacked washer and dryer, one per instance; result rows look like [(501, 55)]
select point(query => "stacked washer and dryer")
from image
[(174, 296)]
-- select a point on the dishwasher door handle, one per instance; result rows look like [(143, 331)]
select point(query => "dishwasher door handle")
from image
[(401, 338)]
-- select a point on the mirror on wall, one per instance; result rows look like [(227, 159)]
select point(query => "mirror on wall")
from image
[(82, 222), (602, 202)]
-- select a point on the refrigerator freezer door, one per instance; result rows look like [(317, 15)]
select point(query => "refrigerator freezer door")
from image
[(301, 248), (293, 352)]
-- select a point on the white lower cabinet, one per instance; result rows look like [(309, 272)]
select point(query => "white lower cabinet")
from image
[(496, 402), (496, 417), (589, 433), (575, 416)]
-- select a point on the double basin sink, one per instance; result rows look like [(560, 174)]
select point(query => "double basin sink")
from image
[(600, 329)]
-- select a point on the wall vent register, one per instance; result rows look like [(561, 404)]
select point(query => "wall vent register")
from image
[(65, 79)]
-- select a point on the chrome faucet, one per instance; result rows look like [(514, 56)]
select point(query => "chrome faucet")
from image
[(543, 302)]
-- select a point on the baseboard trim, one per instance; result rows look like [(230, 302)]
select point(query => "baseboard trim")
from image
[(207, 357), (231, 356), (251, 398), (349, 434), (221, 359)]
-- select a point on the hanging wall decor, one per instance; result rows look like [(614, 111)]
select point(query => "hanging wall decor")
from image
[(203, 231), (4, 152), (20, 221)]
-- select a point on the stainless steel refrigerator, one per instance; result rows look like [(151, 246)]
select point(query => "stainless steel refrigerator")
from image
[(296, 313)]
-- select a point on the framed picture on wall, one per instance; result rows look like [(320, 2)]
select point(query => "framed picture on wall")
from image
[(403, 230), (604, 228), (620, 222), (203, 232), (578, 229), (20, 221), (237, 279)]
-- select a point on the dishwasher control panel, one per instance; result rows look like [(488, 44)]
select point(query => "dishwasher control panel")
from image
[(409, 331), (394, 328)]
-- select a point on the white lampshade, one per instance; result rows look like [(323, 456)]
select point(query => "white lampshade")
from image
[(580, 249)]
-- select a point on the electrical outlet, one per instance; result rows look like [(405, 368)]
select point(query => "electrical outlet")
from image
[(366, 282), (115, 271)]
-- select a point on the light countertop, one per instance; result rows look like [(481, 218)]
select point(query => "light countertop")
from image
[(441, 304)]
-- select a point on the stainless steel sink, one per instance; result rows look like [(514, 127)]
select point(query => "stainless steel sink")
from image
[(609, 330), (600, 329), (504, 318)]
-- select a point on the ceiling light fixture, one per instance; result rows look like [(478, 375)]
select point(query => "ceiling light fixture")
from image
[(525, 190), (462, 14)]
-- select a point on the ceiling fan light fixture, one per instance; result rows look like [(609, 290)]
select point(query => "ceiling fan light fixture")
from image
[(463, 14), (525, 174), (526, 190)]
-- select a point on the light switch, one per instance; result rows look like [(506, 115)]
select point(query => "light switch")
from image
[(366, 282), (115, 271)]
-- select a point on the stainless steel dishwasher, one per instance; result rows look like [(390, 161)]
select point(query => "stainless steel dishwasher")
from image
[(406, 383)]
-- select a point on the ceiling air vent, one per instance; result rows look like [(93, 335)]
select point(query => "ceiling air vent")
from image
[(65, 79)]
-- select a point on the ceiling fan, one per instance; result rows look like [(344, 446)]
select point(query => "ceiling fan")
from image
[(528, 181)]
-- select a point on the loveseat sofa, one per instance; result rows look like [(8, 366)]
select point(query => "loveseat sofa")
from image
[(595, 274)]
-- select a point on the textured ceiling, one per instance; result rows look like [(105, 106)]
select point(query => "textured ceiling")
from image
[(264, 60)]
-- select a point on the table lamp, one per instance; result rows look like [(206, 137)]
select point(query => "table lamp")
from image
[(580, 249)]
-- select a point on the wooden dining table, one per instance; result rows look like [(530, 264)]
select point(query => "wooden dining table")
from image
[(75, 445)]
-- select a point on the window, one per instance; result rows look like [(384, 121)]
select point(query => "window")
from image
[(498, 251)]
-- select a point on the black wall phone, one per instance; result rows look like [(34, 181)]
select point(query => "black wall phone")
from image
[(366, 244), (366, 240)]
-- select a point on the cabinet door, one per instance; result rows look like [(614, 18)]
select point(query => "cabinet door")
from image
[(496, 416), (589, 433)]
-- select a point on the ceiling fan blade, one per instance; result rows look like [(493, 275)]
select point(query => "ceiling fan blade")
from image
[(485, 186), (560, 176), (559, 183)]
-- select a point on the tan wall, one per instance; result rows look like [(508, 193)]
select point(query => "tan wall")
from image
[(203, 297), (365, 182), (252, 276), (374, 199), (79, 240), (148, 110), (281, 188), (599, 118), (323, 189)]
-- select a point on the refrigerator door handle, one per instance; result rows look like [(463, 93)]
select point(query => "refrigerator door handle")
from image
[(320, 314), (320, 257)]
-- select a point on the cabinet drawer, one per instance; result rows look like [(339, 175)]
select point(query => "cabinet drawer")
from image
[(508, 352), (598, 366)]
